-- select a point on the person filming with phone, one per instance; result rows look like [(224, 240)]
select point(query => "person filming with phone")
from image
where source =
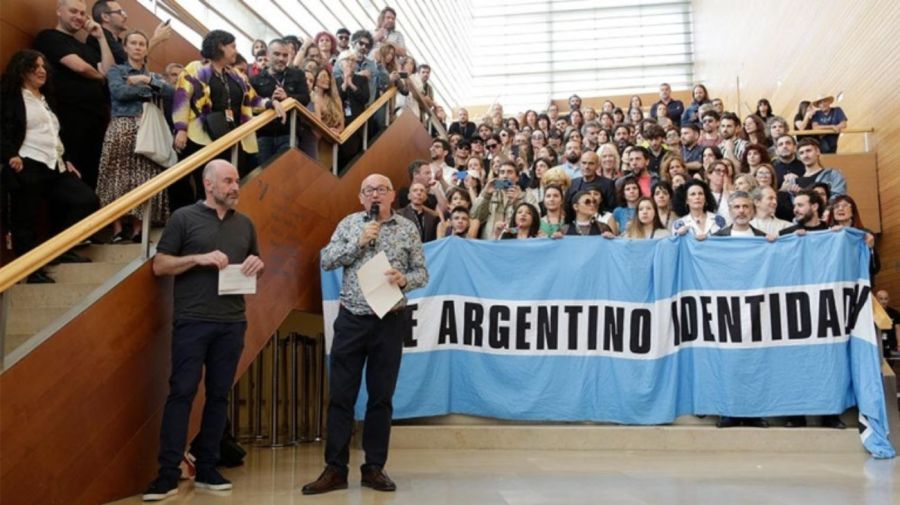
[(362, 338), (499, 198)]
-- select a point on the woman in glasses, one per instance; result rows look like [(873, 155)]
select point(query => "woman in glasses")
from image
[(585, 223), (845, 214)]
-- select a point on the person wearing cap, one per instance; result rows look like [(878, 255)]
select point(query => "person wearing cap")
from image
[(828, 118), (343, 39)]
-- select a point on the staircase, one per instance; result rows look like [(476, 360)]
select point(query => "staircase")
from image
[(34, 308)]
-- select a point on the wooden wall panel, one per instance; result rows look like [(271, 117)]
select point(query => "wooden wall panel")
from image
[(793, 51), (80, 415), (21, 20)]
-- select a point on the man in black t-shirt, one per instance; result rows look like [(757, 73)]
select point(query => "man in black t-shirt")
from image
[(113, 18), (200, 241), (808, 210), (79, 74), (787, 166)]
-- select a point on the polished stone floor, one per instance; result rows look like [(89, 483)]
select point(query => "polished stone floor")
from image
[(530, 477)]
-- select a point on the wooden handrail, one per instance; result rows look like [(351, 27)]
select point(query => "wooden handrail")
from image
[(417, 95), (830, 132), (33, 260), (370, 111)]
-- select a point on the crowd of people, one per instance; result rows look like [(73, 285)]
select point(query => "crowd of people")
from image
[(73, 108), (74, 105), (676, 170)]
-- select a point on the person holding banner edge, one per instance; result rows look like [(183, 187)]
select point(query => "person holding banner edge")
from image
[(362, 339)]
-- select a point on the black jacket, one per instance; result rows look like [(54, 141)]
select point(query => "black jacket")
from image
[(429, 224), (357, 99), (294, 83), (726, 232), (13, 119), (467, 132)]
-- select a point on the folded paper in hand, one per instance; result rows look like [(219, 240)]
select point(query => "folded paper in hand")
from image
[(381, 295), (233, 282)]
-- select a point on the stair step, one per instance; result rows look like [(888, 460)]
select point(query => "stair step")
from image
[(29, 320), (13, 341), (48, 295), (84, 273), (111, 253), (628, 438)]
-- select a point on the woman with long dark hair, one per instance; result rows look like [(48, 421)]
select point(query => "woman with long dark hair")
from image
[(525, 223), (121, 170), (33, 156), (699, 218), (645, 224)]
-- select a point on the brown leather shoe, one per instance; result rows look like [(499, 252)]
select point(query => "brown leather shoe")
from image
[(330, 480), (375, 478)]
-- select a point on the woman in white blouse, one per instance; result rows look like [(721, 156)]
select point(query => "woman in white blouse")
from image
[(700, 220), (33, 157)]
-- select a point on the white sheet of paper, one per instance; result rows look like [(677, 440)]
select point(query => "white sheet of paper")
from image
[(233, 282), (380, 294)]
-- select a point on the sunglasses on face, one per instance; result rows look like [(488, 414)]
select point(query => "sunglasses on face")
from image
[(491, 146)]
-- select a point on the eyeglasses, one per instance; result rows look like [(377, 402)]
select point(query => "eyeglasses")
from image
[(719, 170), (708, 120), (120, 12), (842, 206), (491, 146), (381, 190)]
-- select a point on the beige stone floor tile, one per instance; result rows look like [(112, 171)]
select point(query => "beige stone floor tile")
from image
[(531, 477)]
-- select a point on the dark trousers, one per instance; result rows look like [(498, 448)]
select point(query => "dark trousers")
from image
[(377, 345), (82, 135), (218, 346), (269, 146), (68, 197)]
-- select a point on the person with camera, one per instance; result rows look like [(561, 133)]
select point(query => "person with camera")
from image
[(499, 198), (364, 340)]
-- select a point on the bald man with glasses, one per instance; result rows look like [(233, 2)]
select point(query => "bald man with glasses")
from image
[(364, 340)]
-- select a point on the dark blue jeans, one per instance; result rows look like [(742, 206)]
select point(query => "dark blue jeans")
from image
[(196, 344), (270, 146), (377, 345)]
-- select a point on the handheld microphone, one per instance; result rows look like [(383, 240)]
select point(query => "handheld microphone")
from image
[(374, 210)]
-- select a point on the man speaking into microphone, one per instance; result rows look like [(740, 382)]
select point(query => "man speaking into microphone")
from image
[(362, 339)]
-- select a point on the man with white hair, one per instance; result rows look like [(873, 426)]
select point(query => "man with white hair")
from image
[(198, 242), (362, 339)]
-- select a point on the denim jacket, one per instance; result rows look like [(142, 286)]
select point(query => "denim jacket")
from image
[(128, 100)]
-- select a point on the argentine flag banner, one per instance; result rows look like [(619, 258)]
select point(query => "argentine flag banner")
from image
[(641, 331)]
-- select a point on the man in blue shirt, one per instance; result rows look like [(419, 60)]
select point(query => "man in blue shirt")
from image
[(828, 118)]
